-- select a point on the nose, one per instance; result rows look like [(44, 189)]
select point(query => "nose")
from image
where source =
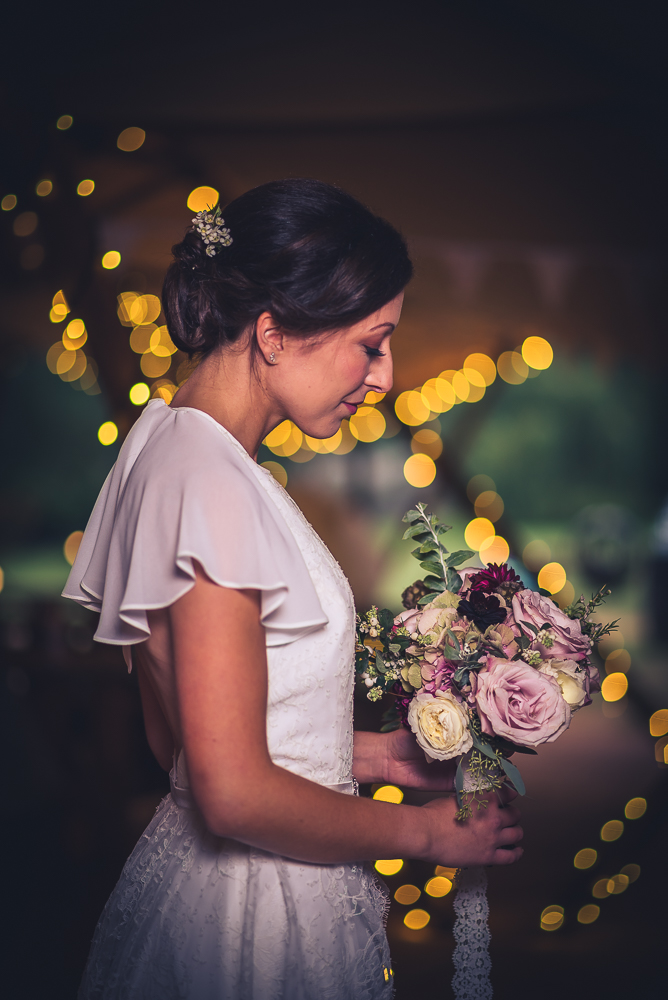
[(381, 374)]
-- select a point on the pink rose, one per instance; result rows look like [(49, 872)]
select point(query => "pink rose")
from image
[(569, 642), (516, 702), (436, 673), (408, 620)]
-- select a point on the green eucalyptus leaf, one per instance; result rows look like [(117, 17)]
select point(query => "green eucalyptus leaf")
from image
[(411, 516), (386, 618), (380, 666), (389, 727), (453, 581), (513, 775), (433, 565), (483, 747), (459, 782), (455, 558), (534, 628), (415, 676)]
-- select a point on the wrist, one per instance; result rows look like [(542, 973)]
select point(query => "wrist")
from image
[(371, 757)]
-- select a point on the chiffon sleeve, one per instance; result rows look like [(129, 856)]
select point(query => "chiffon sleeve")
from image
[(181, 493)]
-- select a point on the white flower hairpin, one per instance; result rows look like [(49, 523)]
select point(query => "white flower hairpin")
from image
[(210, 225)]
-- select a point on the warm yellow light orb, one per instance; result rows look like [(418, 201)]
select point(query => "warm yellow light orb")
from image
[(658, 723), (612, 830), (278, 472), (368, 424), (71, 546), (131, 139), (412, 408), (139, 393), (407, 895), (389, 793), (64, 122), (389, 867), (585, 858), (614, 686), (84, 188), (419, 470), (537, 353), (552, 577), (201, 198), (43, 188), (111, 259), (438, 886), (480, 364), (108, 432), (494, 550), (635, 808), (478, 531), (588, 914), (416, 920), (8, 203)]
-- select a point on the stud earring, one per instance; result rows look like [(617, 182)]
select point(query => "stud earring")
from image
[(272, 358)]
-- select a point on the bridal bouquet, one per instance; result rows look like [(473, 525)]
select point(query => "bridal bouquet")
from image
[(479, 666)]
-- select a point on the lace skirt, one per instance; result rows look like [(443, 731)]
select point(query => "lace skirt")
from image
[(198, 917)]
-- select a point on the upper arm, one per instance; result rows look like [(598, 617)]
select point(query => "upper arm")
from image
[(221, 681)]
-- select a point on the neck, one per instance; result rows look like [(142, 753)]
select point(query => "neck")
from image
[(225, 386)]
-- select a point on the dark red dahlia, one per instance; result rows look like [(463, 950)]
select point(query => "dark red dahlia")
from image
[(500, 579), (482, 609)]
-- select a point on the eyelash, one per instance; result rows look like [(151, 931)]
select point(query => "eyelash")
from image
[(374, 352)]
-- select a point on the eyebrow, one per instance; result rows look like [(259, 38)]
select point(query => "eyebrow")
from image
[(380, 326)]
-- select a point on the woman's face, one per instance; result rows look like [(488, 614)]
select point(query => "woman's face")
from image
[(317, 382)]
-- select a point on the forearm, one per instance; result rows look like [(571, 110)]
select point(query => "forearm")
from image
[(289, 815)]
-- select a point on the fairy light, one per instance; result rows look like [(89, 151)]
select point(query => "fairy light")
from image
[(107, 432), (131, 139), (416, 920), (389, 793), (85, 187), (110, 260), (389, 867), (71, 546), (201, 198), (407, 895)]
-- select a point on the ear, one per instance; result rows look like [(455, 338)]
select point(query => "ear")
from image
[(269, 336)]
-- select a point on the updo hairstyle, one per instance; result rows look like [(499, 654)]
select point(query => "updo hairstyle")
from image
[(303, 250)]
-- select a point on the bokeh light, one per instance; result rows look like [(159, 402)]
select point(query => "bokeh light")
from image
[(512, 368), (588, 914), (552, 577), (389, 793), (25, 224), (368, 424), (201, 198), (75, 335), (285, 440), (489, 504), (416, 920), (8, 202), (278, 471), (585, 858), (601, 889), (537, 353), (374, 397), (139, 393), (635, 808), (164, 389), (658, 723), (478, 531), (154, 367), (389, 867), (64, 122), (324, 446), (536, 554), (2, 578), (661, 750), (618, 884), (348, 439), (43, 188), (438, 395), (552, 918), (71, 546), (482, 365), (140, 338), (107, 433), (612, 830), (632, 872), (111, 259), (477, 485), (494, 550), (411, 408), (160, 343), (419, 470), (59, 307), (619, 660), (131, 139), (86, 187), (438, 886), (614, 686), (427, 442), (71, 365), (407, 895), (566, 595)]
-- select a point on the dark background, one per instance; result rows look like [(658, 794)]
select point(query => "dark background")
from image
[(521, 147)]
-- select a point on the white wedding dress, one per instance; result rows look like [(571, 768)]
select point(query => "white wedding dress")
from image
[(194, 916)]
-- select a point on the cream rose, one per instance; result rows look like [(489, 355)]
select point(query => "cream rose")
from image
[(573, 682), (440, 724)]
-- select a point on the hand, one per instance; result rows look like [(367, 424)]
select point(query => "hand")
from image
[(407, 765), (489, 837)]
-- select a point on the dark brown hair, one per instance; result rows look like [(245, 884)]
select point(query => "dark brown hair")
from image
[(305, 251)]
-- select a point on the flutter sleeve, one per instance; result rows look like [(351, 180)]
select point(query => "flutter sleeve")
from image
[(181, 493)]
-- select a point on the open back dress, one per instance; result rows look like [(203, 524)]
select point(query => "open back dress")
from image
[(195, 916)]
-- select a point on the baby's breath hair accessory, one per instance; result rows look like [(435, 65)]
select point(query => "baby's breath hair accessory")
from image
[(210, 225)]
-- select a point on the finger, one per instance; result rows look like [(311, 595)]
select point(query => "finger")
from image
[(510, 835), (507, 856)]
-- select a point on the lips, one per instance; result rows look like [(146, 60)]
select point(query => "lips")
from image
[(352, 407)]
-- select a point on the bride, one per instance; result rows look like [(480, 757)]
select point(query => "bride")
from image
[(252, 881)]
